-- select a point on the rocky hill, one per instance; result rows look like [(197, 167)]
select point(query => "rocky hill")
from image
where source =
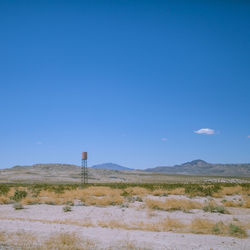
[(200, 167), (110, 166)]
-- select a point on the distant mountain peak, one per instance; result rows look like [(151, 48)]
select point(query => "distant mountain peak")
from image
[(196, 162), (110, 166)]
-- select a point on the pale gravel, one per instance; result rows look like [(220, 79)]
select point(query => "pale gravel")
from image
[(105, 237)]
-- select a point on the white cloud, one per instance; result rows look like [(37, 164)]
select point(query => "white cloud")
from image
[(206, 131), (163, 138)]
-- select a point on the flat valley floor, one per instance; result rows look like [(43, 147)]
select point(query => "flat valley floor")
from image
[(133, 218)]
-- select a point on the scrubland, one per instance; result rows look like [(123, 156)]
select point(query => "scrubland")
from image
[(125, 216)]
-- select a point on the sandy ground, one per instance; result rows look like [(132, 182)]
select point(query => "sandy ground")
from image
[(44, 220)]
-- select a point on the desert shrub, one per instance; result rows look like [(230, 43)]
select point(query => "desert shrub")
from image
[(219, 228), (50, 202), (132, 198), (201, 190), (67, 209), (4, 189), (18, 206), (19, 195), (212, 207), (237, 231), (204, 226), (125, 193), (139, 199)]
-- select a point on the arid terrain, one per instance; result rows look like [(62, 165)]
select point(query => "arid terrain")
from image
[(65, 173), (125, 216)]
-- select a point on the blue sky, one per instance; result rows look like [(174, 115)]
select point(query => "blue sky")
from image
[(138, 83)]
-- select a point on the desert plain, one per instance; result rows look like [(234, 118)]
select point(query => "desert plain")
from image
[(125, 216)]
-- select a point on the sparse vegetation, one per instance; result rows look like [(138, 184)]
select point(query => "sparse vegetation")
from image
[(204, 226), (19, 195), (136, 188), (18, 206), (67, 209), (237, 231), (173, 204), (212, 207), (147, 198), (64, 241)]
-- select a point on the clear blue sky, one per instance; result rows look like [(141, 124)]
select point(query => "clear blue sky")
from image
[(128, 81)]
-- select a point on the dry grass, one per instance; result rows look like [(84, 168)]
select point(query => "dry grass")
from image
[(232, 204), (177, 191), (18, 240), (246, 203), (137, 191), (103, 201), (86, 222), (2, 237), (4, 200), (229, 191), (125, 245), (101, 191), (113, 224), (201, 226), (162, 192), (69, 241), (93, 195), (213, 207), (204, 226), (170, 224), (173, 204), (100, 196), (165, 225), (197, 226)]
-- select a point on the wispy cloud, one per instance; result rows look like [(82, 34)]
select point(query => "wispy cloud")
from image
[(205, 131), (164, 139)]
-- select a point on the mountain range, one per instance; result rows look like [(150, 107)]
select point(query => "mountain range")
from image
[(196, 167), (110, 172), (200, 167)]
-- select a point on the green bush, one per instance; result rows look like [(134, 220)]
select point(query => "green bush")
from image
[(235, 230), (4, 189), (218, 228), (214, 209), (19, 195), (202, 190), (67, 209)]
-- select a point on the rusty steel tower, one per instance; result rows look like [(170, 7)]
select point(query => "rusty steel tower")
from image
[(84, 170)]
